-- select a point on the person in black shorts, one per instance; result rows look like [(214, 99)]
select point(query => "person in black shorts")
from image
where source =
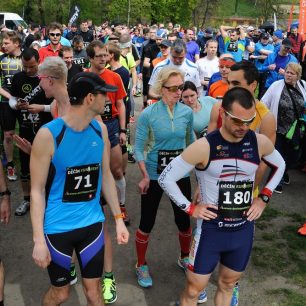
[(10, 64), (32, 111), (69, 168)]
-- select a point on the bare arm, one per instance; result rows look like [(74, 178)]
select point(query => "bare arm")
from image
[(134, 80), (121, 109), (41, 154), (110, 192), (146, 62), (224, 29), (5, 93), (5, 208), (214, 114)]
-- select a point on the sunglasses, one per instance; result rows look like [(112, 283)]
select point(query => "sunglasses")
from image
[(55, 34), (239, 121), (47, 77), (175, 88)]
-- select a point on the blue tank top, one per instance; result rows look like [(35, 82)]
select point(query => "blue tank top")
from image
[(74, 181)]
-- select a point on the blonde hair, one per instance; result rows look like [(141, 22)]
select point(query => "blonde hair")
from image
[(54, 66), (163, 76), (297, 68)]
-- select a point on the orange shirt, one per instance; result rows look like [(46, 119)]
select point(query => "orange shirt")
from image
[(218, 89), (48, 51), (112, 78)]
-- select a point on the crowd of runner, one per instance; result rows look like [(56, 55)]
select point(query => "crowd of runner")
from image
[(229, 102)]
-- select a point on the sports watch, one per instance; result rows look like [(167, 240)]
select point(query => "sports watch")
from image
[(264, 197)]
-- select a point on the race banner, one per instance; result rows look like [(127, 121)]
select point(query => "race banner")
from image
[(302, 24), (290, 18), (74, 14)]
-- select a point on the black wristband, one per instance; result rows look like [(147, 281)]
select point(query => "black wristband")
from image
[(123, 131), (6, 192)]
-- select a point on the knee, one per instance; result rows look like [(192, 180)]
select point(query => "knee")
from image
[(226, 284), (93, 295), (8, 136), (60, 295), (117, 173), (192, 291)]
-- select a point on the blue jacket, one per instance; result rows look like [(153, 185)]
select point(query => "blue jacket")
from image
[(273, 75)]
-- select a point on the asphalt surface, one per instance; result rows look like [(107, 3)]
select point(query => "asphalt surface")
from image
[(26, 283)]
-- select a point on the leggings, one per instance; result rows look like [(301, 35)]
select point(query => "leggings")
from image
[(150, 203)]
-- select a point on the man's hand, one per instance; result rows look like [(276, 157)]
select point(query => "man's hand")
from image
[(256, 209), (35, 108), (5, 209), (41, 254), (22, 104), (122, 139), (201, 211), (272, 67), (144, 185), (122, 232), (23, 144)]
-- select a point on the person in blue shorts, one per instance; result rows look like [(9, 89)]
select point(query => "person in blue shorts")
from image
[(226, 161)]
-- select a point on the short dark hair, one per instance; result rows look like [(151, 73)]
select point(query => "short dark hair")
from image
[(179, 46), (240, 95), (12, 36), (77, 39), (64, 49), (90, 50), (54, 26), (190, 85), (115, 50), (250, 72), (29, 53)]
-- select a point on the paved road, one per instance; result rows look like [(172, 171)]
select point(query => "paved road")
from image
[(26, 283)]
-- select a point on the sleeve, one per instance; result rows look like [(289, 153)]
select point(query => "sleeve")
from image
[(190, 136), (121, 91), (154, 75), (141, 136), (176, 170), (268, 97), (266, 64), (135, 53)]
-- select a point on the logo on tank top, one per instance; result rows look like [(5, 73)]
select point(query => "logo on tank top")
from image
[(229, 170), (26, 88)]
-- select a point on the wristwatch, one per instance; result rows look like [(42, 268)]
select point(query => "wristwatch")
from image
[(264, 197), (123, 131), (6, 192)]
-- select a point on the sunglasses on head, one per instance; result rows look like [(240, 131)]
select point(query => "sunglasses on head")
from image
[(55, 34), (239, 121), (175, 88)]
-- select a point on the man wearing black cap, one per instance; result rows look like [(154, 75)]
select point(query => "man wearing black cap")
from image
[(262, 49), (208, 34), (68, 160), (276, 63)]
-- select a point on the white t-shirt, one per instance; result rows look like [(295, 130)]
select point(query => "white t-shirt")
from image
[(188, 68), (207, 67)]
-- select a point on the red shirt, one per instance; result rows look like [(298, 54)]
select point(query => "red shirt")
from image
[(48, 51), (112, 78), (296, 42)]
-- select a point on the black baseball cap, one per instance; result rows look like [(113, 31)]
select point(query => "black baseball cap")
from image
[(167, 43), (287, 43), (84, 83)]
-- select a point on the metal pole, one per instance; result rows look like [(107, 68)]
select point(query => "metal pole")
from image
[(129, 12)]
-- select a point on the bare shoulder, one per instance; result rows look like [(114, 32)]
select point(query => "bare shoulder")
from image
[(265, 145), (197, 153)]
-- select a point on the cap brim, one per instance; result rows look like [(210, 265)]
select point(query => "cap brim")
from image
[(106, 88)]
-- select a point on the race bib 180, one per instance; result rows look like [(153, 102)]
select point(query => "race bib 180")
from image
[(235, 198)]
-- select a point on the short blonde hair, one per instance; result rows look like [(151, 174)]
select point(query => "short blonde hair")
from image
[(297, 68), (163, 76), (54, 66)]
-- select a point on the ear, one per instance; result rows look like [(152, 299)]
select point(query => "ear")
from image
[(254, 86)]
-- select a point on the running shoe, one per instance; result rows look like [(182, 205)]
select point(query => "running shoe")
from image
[(302, 230), (143, 276), (286, 178), (109, 290), (278, 189), (11, 173), (235, 297), (22, 209), (126, 218), (73, 275), (183, 263), (131, 158), (203, 297)]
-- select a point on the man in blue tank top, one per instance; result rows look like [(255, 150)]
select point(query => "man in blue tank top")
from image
[(68, 160)]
